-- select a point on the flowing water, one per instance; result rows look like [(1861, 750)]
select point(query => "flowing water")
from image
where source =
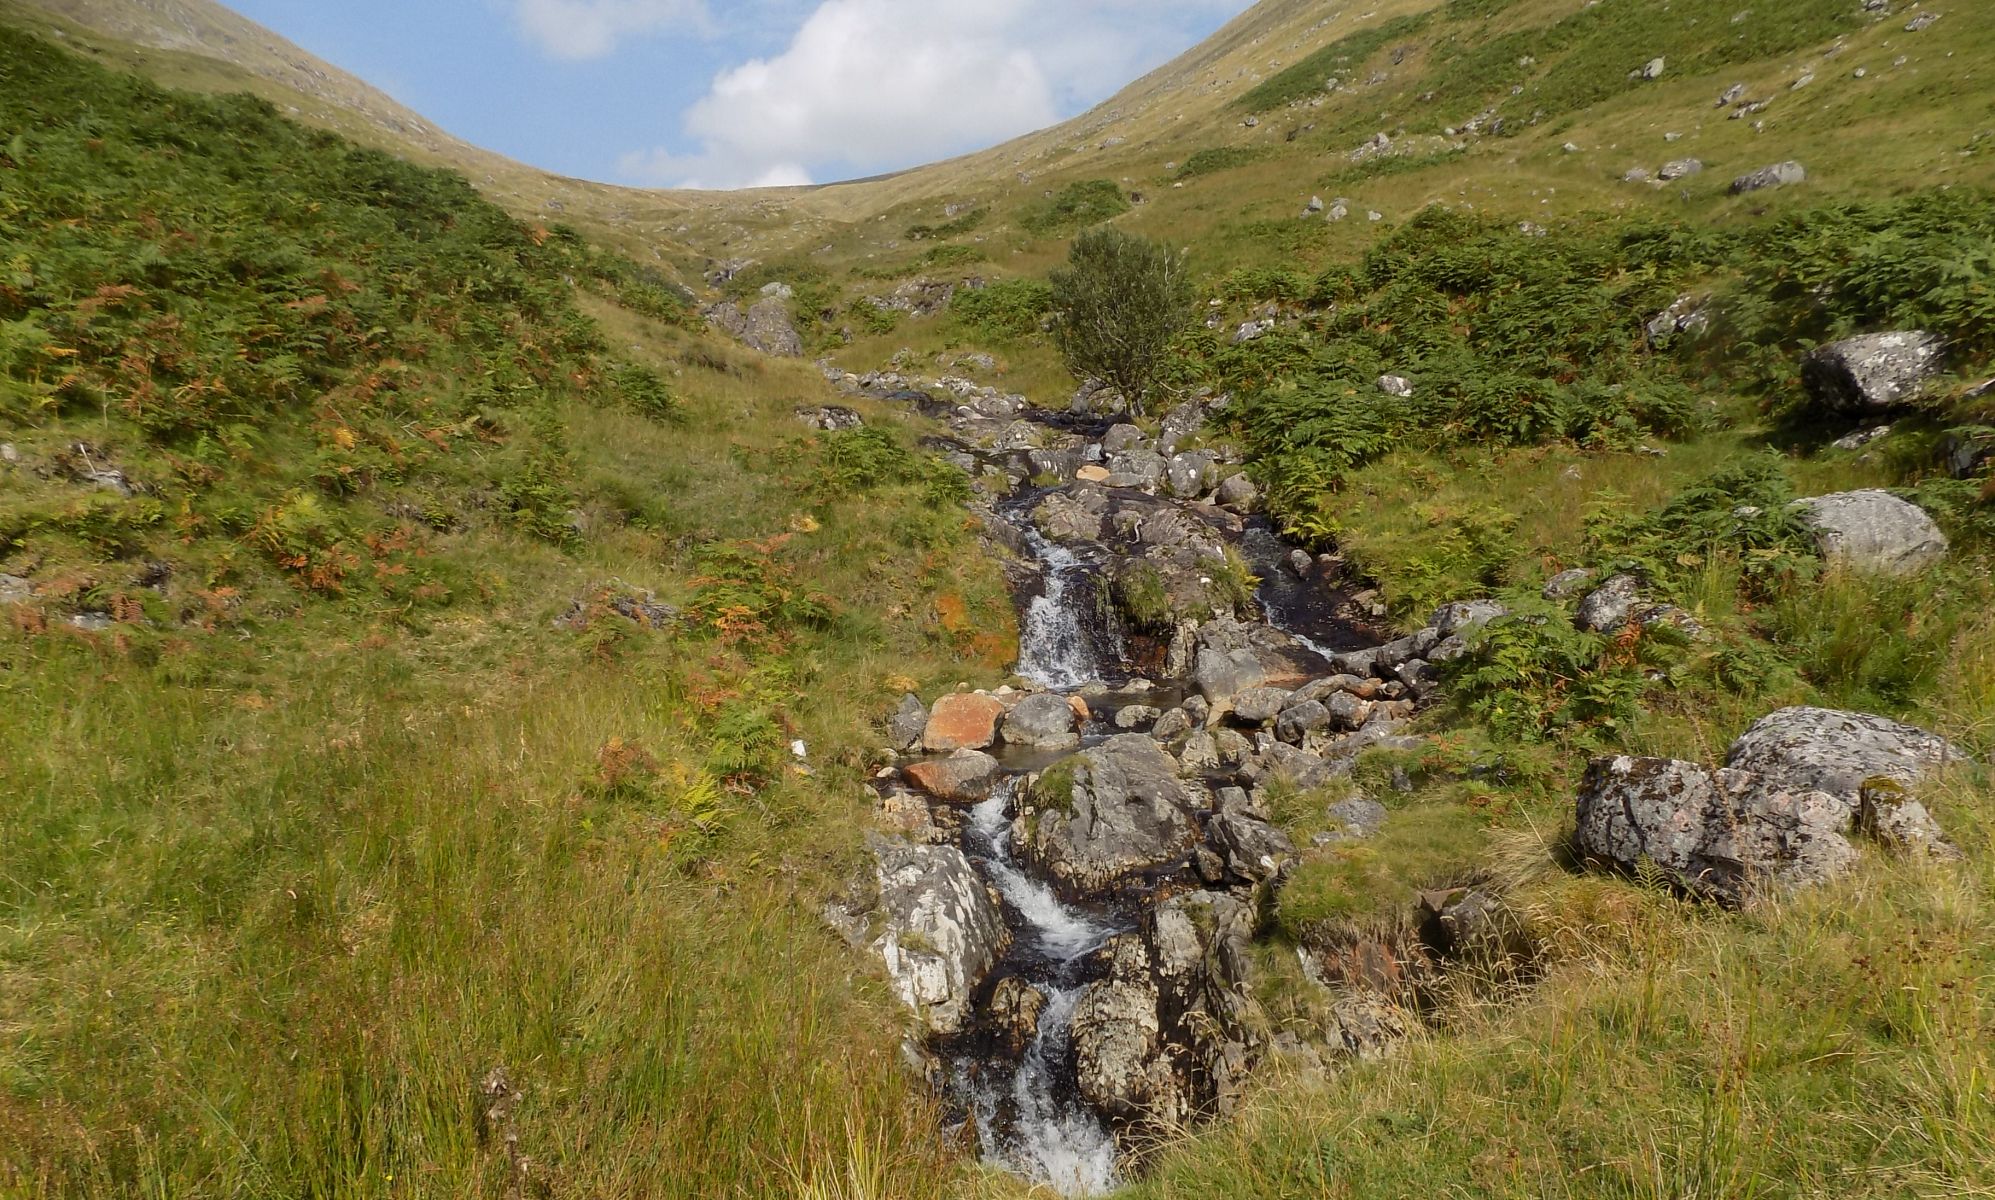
[(1028, 1116), (1054, 649)]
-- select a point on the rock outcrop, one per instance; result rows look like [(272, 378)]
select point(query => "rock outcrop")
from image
[(1106, 814), (942, 931)]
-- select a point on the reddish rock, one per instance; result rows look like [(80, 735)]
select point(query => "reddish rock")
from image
[(963, 721), (964, 777)]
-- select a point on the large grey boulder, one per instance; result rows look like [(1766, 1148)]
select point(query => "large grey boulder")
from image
[(1777, 175), (1828, 750), (1874, 373), (1238, 493), (1044, 720), (1465, 616), (942, 931), (1190, 474), (764, 325), (1120, 438), (1873, 531), (1137, 468), (1726, 835), (1110, 812), (1252, 847)]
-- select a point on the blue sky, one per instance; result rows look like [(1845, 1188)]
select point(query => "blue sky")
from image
[(730, 93)]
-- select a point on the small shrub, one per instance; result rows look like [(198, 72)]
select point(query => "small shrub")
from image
[(1005, 310), (1118, 304)]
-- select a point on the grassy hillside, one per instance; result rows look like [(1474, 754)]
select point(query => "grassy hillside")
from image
[(335, 776), (349, 779)]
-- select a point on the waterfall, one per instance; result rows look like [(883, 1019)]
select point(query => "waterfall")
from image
[(1028, 1117), (1053, 649)]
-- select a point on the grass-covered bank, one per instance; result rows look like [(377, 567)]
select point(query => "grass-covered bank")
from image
[(332, 777)]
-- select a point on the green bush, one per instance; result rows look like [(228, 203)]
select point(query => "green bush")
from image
[(1218, 158), (1003, 311), (1076, 206), (1118, 304)]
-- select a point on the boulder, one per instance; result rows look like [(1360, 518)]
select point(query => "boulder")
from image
[(1172, 725), (1222, 674), (1874, 373), (1168, 1035), (1359, 816), (1873, 531), (1258, 706), (1890, 814), (943, 932), (1566, 584), (1726, 835), (1395, 385), (909, 722), (962, 721), (962, 778), (1014, 1013), (1680, 169), (764, 326), (1137, 469), (1607, 608), (1238, 493), (1253, 849), (1300, 720), (1190, 475), (1120, 438), (1777, 175), (1464, 616), (1136, 716), (1044, 720), (1112, 811), (1827, 750)]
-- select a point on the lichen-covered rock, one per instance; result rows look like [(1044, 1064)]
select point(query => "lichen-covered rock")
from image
[(1778, 175), (1608, 607), (1258, 706), (1014, 1013), (942, 931), (1465, 616), (1873, 531), (1873, 373), (1727, 835), (905, 727), (1253, 849), (1109, 812), (1828, 750)]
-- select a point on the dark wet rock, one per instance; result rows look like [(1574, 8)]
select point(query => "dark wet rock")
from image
[(1014, 1012), (964, 777), (1873, 531), (1109, 812), (942, 932), (1168, 1036), (1873, 373)]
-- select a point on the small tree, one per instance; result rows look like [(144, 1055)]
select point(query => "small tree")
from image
[(1117, 305)]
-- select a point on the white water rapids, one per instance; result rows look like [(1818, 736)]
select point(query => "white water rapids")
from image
[(1052, 646), (1051, 1137)]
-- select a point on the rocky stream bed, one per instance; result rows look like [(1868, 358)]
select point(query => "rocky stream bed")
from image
[(1075, 865)]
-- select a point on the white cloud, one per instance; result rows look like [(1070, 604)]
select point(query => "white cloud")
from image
[(870, 85), (584, 29)]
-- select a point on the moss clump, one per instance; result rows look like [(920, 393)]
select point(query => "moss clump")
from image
[(1142, 598), (1055, 787)]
